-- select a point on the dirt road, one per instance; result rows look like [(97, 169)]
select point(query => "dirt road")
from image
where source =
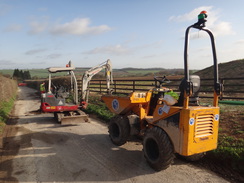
[(37, 149)]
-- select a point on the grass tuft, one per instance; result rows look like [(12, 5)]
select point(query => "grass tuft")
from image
[(5, 109), (97, 107)]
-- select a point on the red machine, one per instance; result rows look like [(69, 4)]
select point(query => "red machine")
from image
[(64, 101)]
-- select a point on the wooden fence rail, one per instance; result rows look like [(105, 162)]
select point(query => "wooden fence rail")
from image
[(233, 87)]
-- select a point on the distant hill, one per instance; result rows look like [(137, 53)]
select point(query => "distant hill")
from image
[(232, 69)]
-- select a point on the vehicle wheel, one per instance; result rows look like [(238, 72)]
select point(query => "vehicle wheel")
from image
[(158, 149), (119, 130), (194, 157), (58, 116)]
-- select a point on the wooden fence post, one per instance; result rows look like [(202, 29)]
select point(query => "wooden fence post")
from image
[(100, 86), (115, 87)]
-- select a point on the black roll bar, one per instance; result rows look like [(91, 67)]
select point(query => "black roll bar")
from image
[(217, 85)]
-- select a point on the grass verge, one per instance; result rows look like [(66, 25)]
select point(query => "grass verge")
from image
[(230, 152), (5, 109), (97, 107)]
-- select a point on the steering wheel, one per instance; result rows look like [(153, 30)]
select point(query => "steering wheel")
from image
[(161, 80)]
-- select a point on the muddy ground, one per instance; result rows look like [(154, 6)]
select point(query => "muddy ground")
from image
[(37, 149)]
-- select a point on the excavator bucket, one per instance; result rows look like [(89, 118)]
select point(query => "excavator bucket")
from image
[(71, 117)]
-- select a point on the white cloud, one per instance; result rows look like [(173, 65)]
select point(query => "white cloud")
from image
[(150, 56), (123, 49), (32, 52), (115, 50), (79, 26), (222, 29), (219, 28), (241, 41), (37, 63), (6, 62), (38, 27), (13, 28), (53, 56), (156, 44), (191, 15)]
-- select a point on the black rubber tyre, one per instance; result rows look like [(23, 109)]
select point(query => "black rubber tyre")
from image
[(58, 116), (119, 130), (158, 149), (194, 157)]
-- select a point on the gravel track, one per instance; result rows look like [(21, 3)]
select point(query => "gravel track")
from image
[(37, 149)]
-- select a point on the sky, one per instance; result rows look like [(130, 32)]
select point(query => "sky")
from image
[(131, 33)]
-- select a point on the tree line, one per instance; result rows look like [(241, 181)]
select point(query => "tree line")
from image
[(21, 75)]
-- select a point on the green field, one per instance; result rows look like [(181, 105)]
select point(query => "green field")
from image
[(226, 70), (35, 73), (43, 73)]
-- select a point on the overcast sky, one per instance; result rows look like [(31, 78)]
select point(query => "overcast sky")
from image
[(131, 33)]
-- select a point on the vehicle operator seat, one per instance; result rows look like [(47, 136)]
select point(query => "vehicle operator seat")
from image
[(194, 99)]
